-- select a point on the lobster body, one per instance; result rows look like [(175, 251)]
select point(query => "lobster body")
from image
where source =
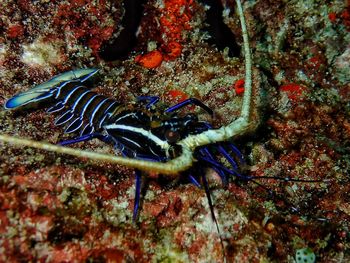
[(137, 130)]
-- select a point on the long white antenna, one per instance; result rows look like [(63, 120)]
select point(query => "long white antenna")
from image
[(248, 64)]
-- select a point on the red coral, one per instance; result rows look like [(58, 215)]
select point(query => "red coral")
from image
[(172, 50), (174, 20), (109, 255), (177, 95), (15, 31), (332, 17), (239, 86), (294, 91), (152, 59), (345, 16)]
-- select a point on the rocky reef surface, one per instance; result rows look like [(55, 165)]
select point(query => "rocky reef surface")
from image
[(55, 208)]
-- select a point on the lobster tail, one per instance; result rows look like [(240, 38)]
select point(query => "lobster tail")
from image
[(49, 89)]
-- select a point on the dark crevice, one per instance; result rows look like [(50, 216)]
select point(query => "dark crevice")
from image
[(126, 40), (221, 34)]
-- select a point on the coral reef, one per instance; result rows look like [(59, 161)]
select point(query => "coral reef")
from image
[(56, 208)]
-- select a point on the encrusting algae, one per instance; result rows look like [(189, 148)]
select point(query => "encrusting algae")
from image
[(56, 207)]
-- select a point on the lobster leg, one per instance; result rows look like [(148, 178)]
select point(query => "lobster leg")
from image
[(194, 181), (210, 202), (138, 184), (224, 169), (235, 150), (207, 192), (189, 102), (138, 180), (152, 100), (205, 152), (228, 157), (84, 138)]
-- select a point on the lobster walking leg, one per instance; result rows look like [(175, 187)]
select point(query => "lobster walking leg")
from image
[(84, 138), (138, 181), (223, 176), (189, 102), (194, 181), (152, 100)]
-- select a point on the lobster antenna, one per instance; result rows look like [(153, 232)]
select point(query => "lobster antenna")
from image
[(248, 64), (240, 125), (181, 163), (289, 179)]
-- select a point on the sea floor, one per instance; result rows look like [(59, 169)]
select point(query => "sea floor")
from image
[(57, 208)]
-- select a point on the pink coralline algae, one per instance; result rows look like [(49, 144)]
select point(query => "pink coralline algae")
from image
[(54, 208)]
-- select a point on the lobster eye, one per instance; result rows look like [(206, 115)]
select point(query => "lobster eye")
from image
[(172, 136)]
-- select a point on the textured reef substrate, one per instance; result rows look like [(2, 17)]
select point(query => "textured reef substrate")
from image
[(55, 208)]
